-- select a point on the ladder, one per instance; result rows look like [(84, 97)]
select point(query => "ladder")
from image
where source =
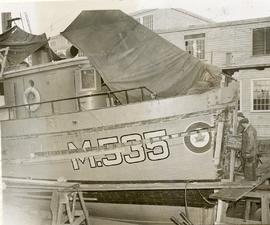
[(64, 205)]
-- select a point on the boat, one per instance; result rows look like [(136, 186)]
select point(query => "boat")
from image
[(137, 121)]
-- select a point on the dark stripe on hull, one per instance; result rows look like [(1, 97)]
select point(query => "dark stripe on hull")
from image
[(153, 197), (162, 197), (142, 197)]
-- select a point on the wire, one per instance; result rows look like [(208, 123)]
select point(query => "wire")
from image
[(205, 199), (22, 20)]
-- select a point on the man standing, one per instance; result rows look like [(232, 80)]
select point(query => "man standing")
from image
[(249, 149)]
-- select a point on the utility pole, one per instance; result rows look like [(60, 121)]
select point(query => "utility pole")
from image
[(22, 20)]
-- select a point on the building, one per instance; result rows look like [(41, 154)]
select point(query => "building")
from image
[(237, 43), (244, 43), (160, 19)]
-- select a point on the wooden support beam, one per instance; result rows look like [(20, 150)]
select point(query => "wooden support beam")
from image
[(233, 151), (219, 140), (265, 210), (85, 211), (247, 210), (63, 212)]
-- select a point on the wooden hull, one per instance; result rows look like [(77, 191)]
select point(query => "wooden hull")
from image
[(162, 149), (163, 160)]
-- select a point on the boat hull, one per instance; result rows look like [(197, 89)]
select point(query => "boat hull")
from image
[(126, 211), (170, 159), (141, 142), (136, 142)]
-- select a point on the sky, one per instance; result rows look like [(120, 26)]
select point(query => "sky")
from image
[(52, 17)]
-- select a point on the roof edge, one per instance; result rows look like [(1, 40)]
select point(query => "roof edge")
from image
[(216, 24), (193, 15), (136, 13)]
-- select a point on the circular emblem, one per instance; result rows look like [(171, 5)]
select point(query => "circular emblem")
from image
[(31, 95), (200, 142)]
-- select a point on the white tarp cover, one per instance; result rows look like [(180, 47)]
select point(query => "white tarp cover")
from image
[(129, 55)]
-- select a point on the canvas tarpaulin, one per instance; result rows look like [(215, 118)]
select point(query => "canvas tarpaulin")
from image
[(22, 44), (129, 55)]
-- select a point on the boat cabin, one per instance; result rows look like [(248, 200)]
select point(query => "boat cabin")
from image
[(63, 86)]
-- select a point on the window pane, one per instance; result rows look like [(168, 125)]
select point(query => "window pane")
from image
[(88, 79), (259, 41), (200, 48), (261, 99), (195, 45), (189, 47)]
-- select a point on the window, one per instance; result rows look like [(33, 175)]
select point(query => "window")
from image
[(261, 41), (88, 79), (148, 21), (260, 94), (195, 45)]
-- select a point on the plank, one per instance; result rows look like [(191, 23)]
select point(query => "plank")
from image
[(230, 194), (154, 185), (233, 194), (219, 140)]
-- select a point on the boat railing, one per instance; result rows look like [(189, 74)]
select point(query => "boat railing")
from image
[(76, 104)]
